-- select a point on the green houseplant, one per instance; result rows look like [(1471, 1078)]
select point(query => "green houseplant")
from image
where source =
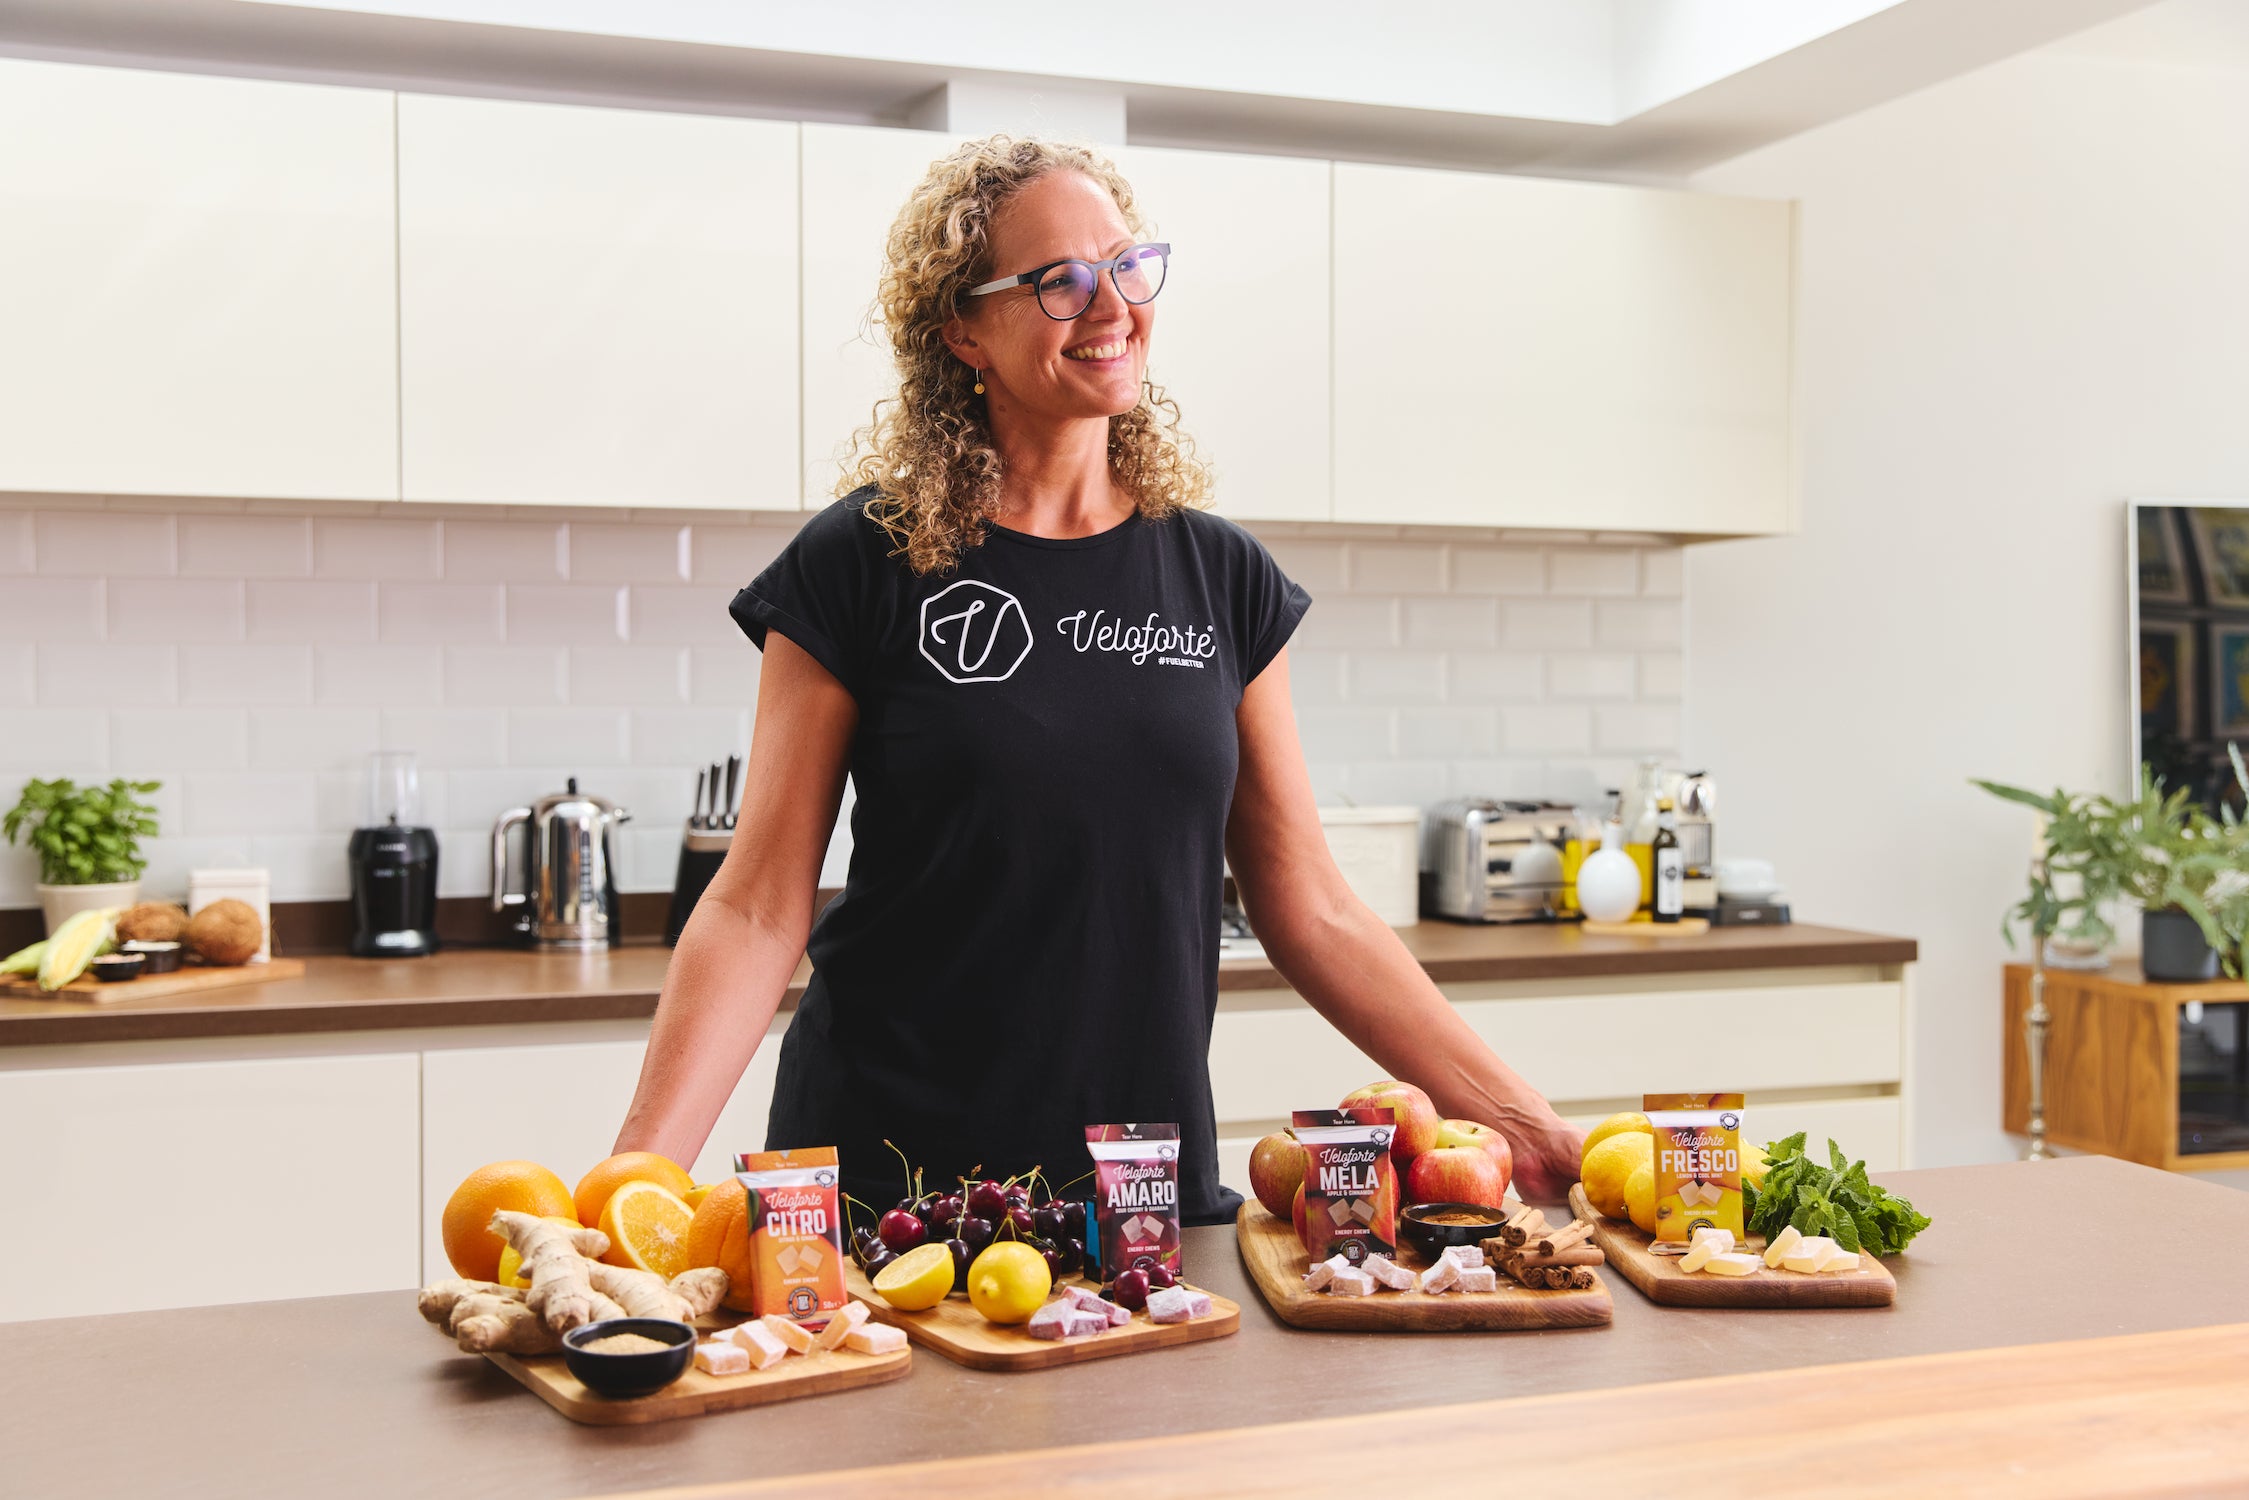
[(2162, 851), (87, 840)]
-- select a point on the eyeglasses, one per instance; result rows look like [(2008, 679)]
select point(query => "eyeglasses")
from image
[(1066, 287)]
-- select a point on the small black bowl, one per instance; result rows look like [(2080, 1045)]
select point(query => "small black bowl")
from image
[(623, 1376), (160, 958), (113, 967), (1431, 1240)]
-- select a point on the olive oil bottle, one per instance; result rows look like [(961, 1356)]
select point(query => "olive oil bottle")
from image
[(1670, 869)]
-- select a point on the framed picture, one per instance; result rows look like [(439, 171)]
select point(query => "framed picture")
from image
[(2229, 681), (2162, 569), (2221, 535), (2167, 684)]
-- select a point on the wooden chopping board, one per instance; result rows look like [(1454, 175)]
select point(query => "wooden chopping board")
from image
[(184, 981), (960, 1333), (1277, 1262), (1659, 1278), (818, 1373), (1684, 927)]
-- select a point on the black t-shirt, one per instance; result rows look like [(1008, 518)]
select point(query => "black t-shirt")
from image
[(1027, 939)]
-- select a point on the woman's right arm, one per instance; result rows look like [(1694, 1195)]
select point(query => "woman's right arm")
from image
[(740, 947)]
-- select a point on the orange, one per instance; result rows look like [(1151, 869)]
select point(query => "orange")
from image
[(627, 1166), (720, 1236), (524, 1186), (647, 1228)]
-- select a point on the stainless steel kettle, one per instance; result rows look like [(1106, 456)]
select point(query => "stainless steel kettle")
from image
[(570, 900)]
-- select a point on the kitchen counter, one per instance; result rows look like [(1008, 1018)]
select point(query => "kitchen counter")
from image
[(355, 1395), (483, 987)]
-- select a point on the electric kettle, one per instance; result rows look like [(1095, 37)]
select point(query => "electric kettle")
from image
[(569, 898)]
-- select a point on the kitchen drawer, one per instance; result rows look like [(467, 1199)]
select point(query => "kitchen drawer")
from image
[(189, 1184), (1266, 1062)]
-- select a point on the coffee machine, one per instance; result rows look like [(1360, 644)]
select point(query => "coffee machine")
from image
[(393, 865), (569, 894)]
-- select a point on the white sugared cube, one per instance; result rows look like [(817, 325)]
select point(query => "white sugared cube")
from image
[(875, 1338), (728, 1358)]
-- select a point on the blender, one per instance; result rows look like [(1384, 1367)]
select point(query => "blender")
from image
[(393, 865)]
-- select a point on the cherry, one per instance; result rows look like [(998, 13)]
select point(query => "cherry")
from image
[(1050, 1221), (1019, 1222), (924, 1208), (1073, 1256), (1132, 1289), (976, 1232), (1160, 1275), (880, 1257), (946, 1208), (900, 1231), (961, 1256), (1017, 1195), (986, 1200), (1052, 1254)]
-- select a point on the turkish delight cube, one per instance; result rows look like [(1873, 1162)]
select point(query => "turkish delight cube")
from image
[(1478, 1279), (1168, 1305)]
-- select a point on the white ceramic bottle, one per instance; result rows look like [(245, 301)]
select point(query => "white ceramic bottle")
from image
[(1608, 883)]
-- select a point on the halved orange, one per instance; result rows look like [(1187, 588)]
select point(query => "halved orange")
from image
[(647, 1228)]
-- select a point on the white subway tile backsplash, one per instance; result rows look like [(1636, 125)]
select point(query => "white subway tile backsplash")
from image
[(51, 742), (52, 609), (1663, 572), (447, 738), (565, 614), (1452, 622), (341, 802), (260, 673), (1315, 676), (245, 546), (101, 675), (175, 609), (390, 550), (153, 741), (1593, 570), (1448, 732), (1572, 675), (1411, 783), (1519, 779), (1546, 624), (1663, 674), (170, 857), (17, 556), (1498, 570), (1547, 729), (505, 676), (324, 739), (724, 675), (1397, 568), (1345, 732), (1496, 676), (387, 676), (631, 676), (689, 736), (1639, 622), (1395, 677), (451, 614), (1353, 624), (311, 610), (314, 866), (629, 554), (226, 804), (1638, 728), (505, 552), (104, 544), (733, 555), (475, 799), (683, 616), (1318, 566), (575, 736)]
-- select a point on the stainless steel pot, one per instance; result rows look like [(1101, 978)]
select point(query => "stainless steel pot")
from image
[(569, 894)]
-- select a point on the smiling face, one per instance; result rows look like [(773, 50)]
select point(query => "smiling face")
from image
[(1090, 366)]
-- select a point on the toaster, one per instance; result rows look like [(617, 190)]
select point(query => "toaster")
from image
[(1485, 861)]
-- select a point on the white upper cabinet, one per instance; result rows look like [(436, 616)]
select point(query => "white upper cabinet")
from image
[(856, 179), (1516, 351), (1241, 336), (596, 306), (196, 286)]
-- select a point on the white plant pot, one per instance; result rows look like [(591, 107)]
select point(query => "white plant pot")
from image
[(62, 902)]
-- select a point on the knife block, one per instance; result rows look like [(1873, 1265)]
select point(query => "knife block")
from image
[(701, 852)]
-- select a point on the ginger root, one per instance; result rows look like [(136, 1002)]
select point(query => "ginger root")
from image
[(568, 1288), (484, 1324), (644, 1294), (556, 1261), (439, 1298)]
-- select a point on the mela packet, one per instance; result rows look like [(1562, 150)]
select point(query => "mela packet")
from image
[(1350, 1185), (1135, 1195), (1697, 1167), (796, 1232)]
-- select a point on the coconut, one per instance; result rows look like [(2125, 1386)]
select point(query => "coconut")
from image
[(226, 932), (152, 922)]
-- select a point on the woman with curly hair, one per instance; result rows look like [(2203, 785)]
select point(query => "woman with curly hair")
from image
[(1060, 689)]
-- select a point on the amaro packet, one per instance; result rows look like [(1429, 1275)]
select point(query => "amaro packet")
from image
[(1136, 1195)]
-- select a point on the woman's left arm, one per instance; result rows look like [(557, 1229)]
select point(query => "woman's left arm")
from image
[(1347, 962)]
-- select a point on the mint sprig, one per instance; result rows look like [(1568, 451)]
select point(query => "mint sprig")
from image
[(1838, 1200)]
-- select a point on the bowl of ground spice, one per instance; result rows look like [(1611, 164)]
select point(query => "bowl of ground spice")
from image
[(626, 1357)]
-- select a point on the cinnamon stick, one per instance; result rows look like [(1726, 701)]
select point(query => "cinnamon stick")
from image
[(1574, 1255)]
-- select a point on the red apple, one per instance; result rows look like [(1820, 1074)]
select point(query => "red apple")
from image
[(1484, 1137), (1414, 1117), (1276, 1171), (1456, 1174)]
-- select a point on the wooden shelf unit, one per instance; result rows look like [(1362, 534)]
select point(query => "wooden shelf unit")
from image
[(2112, 1063)]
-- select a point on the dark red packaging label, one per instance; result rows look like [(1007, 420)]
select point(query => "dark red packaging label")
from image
[(1136, 1195)]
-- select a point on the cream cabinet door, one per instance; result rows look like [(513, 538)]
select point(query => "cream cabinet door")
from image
[(597, 306), (1242, 330), (193, 1183), (197, 286), (1516, 351), (856, 180)]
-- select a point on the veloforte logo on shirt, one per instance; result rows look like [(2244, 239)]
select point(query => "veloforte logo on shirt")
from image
[(974, 632)]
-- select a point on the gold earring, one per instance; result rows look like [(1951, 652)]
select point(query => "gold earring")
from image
[(979, 382)]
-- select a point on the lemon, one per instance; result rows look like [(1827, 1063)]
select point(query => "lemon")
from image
[(1610, 1165), (921, 1278), (1753, 1165), (1630, 1120), (695, 1195), (1640, 1197), (1008, 1282)]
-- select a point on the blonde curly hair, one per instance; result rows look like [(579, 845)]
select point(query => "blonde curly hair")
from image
[(928, 450)]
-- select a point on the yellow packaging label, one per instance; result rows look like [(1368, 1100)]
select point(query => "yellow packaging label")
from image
[(1698, 1166)]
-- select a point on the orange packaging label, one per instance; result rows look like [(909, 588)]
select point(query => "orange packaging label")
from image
[(796, 1232), (1698, 1166)]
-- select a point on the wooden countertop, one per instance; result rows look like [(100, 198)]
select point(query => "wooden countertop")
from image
[(348, 1396), (489, 986)]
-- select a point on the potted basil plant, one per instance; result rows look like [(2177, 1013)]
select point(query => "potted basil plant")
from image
[(2187, 871), (87, 840)]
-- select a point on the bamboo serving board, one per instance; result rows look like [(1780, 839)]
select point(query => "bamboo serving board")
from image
[(185, 981), (1277, 1262), (1659, 1278), (819, 1373), (1684, 927), (960, 1333)]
